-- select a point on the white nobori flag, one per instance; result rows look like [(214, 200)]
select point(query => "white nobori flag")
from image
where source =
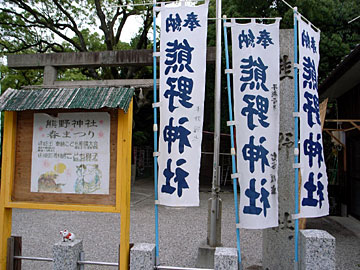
[(313, 193), (255, 58), (182, 91)]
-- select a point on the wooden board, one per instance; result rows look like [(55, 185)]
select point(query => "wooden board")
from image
[(23, 152), (322, 109)]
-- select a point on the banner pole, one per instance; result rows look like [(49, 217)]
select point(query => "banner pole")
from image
[(214, 239), (155, 142), (296, 144), (237, 219)]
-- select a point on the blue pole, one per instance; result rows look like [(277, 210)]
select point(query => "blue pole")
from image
[(232, 146), (155, 144), (296, 158)]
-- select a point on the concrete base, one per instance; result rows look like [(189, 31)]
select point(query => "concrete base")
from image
[(66, 255), (225, 259), (142, 256), (317, 250), (205, 258)]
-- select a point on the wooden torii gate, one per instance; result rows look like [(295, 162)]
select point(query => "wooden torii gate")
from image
[(51, 63)]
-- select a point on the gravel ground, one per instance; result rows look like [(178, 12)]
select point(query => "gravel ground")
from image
[(181, 232)]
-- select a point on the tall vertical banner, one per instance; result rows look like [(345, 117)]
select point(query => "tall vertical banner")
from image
[(182, 92), (313, 194), (255, 58)]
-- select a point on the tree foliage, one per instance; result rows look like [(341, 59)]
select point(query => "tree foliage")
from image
[(38, 26), (338, 37)]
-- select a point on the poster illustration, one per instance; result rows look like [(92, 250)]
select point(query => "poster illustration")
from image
[(71, 153)]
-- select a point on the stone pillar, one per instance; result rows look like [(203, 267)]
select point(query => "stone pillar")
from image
[(317, 250), (66, 254), (278, 243), (225, 259), (142, 256), (50, 75)]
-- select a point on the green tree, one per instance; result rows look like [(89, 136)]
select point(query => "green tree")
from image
[(338, 37), (38, 26)]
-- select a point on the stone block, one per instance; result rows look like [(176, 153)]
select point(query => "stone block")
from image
[(317, 250), (50, 75), (225, 259), (66, 254), (142, 256)]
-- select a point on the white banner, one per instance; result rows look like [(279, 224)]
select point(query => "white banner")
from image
[(255, 57), (182, 91), (314, 196), (71, 153)]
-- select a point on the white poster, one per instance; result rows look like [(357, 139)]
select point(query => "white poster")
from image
[(71, 153), (314, 196), (255, 58), (182, 91)]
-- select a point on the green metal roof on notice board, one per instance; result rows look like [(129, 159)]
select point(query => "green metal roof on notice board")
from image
[(63, 98)]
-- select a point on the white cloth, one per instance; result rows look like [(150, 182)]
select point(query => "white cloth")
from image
[(255, 58), (182, 92), (314, 196)]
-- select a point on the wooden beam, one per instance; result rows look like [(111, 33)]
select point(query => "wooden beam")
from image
[(136, 83), (123, 182), (341, 120), (88, 59), (334, 137), (7, 176), (355, 125)]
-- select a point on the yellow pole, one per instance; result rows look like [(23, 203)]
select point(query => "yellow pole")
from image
[(7, 176), (123, 177)]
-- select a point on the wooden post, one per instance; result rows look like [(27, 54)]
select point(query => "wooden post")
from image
[(10, 254), (123, 177), (7, 175), (14, 249)]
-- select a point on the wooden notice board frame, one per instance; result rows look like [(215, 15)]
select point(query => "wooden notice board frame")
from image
[(15, 177), (23, 153)]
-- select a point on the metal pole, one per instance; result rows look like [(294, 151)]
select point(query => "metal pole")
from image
[(162, 267), (214, 213), (155, 144), (237, 218), (296, 144)]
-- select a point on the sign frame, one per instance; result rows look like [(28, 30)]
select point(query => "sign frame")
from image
[(122, 184)]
